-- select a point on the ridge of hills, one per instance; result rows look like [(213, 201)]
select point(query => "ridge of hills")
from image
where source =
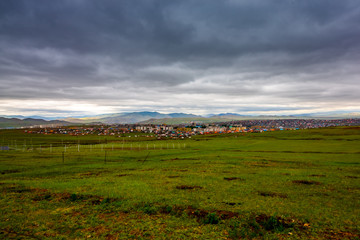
[(129, 118), (158, 118), (29, 122)]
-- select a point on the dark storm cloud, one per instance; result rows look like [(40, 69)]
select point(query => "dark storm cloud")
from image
[(111, 51)]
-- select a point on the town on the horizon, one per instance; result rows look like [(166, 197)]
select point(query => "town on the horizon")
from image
[(156, 118), (187, 130)]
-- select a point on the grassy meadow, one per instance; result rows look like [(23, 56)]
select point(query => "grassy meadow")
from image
[(301, 184)]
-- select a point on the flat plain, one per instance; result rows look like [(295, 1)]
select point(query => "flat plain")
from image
[(302, 184)]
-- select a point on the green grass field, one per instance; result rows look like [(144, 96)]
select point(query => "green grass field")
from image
[(301, 184)]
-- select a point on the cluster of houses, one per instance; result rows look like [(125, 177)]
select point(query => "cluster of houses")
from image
[(160, 131), (188, 130)]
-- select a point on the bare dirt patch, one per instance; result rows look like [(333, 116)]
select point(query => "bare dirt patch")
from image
[(277, 223), (177, 159), (88, 174), (260, 164), (285, 174), (123, 175), (199, 214), (9, 171), (92, 174), (40, 194), (188, 187), (272, 194), (306, 182), (17, 189), (233, 178), (231, 203), (353, 177), (339, 235), (147, 169)]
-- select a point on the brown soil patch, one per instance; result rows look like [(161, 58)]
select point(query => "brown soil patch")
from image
[(39, 194), (306, 182), (231, 203), (92, 199), (317, 175), (176, 159), (91, 174), (272, 222), (60, 196), (226, 214), (285, 174), (199, 214), (17, 189), (272, 194), (320, 194), (123, 175), (331, 234), (97, 231), (260, 164), (354, 177), (9, 171), (176, 176), (233, 178), (147, 169), (187, 187)]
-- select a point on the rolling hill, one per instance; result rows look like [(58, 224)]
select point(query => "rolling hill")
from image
[(160, 118), (29, 122), (129, 118)]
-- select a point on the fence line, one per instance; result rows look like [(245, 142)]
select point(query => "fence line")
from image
[(90, 147)]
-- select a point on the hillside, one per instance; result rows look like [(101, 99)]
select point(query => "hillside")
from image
[(28, 122), (128, 118)]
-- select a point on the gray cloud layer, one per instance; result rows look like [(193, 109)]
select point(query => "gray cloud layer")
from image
[(192, 55)]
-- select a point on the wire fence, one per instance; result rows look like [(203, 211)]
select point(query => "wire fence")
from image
[(93, 147)]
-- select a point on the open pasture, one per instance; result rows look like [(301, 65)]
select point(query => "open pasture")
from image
[(301, 184)]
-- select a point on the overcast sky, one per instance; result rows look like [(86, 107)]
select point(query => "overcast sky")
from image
[(87, 57)]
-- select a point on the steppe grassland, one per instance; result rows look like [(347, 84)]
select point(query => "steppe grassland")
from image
[(285, 184)]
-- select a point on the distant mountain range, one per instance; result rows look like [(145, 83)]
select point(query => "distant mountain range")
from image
[(30, 117), (28, 122), (133, 117), (156, 118)]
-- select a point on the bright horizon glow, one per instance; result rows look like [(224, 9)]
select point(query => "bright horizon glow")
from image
[(55, 109)]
